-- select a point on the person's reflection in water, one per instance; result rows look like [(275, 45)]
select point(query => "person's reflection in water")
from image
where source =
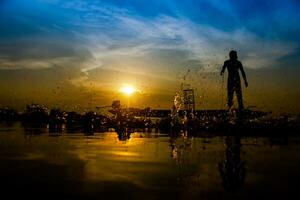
[(123, 134), (232, 169)]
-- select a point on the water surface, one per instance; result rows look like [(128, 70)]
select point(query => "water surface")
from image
[(147, 165)]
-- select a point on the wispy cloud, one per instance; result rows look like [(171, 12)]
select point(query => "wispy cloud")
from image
[(108, 36), (139, 38)]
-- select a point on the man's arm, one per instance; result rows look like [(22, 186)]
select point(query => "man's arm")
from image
[(223, 69), (244, 75)]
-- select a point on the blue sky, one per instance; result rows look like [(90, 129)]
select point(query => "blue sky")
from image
[(160, 39)]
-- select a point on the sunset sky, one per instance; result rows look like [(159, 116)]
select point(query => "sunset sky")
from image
[(79, 53)]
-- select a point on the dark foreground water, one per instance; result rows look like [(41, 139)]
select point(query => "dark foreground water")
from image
[(147, 166)]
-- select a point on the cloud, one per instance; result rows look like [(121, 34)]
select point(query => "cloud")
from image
[(199, 42), (107, 36)]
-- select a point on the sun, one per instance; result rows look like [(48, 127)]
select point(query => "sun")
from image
[(128, 90)]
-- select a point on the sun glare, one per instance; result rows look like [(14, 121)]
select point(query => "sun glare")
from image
[(128, 90)]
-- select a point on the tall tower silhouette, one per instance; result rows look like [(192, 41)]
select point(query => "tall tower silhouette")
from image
[(189, 99)]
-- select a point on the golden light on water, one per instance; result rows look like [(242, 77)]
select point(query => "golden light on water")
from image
[(128, 90)]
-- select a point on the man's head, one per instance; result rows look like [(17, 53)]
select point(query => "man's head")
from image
[(233, 55)]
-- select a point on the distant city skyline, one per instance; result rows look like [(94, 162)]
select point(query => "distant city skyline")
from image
[(80, 54)]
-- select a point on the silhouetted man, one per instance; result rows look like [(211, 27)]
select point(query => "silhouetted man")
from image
[(234, 83)]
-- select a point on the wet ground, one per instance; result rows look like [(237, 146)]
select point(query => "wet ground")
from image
[(146, 166)]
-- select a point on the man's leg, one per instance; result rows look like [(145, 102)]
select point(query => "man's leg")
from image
[(240, 98), (229, 96)]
